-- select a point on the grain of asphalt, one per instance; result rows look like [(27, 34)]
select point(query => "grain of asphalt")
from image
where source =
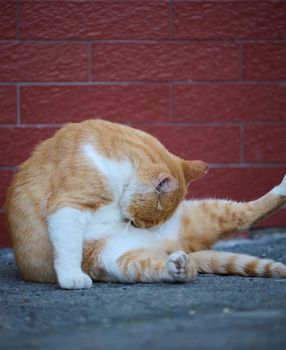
[(212, 312)]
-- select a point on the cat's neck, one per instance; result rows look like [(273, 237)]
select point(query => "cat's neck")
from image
[(117, 173)]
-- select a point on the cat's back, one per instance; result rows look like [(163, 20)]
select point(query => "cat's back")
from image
[(116, 141), (64, 150), (111, 140)]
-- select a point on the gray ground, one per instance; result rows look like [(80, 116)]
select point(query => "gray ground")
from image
[(212, 312)]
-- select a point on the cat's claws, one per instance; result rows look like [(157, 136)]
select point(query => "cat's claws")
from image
[(178, 266), (78, 280)]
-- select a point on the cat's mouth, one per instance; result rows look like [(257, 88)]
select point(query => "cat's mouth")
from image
[(131, 222)]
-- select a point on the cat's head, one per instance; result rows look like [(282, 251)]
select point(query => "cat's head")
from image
[(153, 197)]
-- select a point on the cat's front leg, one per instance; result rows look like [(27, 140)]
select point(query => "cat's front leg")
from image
[(66, 229)]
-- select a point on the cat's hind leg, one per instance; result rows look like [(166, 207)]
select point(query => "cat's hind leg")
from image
[(224, 263), (155, 266), (140, 265), (206, 221)]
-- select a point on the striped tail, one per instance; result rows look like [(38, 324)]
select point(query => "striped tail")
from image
[(209, 261)]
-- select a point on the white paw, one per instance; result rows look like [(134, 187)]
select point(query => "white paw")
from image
[(177, 265), (77, 280), (280, 190)]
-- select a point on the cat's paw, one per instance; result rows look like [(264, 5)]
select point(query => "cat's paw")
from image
[(78, 280), (280, 190), (179, 267)]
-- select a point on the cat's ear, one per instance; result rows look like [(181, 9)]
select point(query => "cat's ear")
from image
[(194, 169), (165, 183)]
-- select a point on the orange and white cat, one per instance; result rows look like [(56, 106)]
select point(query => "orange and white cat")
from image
[(90, 174), (119, 193)]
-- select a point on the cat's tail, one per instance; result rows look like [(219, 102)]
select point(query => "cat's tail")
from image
[(223, 263)]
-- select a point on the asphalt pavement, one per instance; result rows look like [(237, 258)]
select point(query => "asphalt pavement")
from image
[(212, 312)]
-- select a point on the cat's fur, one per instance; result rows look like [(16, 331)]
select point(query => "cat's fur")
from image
[(93, 182), (94, 172), (177, 249)]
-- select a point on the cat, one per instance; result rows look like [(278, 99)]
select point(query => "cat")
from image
[(90, 171), (177, 250)]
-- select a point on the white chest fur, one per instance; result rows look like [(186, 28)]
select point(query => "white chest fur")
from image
[(106, 223)]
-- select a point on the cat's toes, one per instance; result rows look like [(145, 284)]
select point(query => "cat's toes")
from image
[(178, 266), (78, 280), (280, 190)]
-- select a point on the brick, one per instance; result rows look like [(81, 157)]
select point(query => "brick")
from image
[(8, 20), (119, 103), (43, 62), (240, 184), (229, 102), (4, 236), (264, 61), (228, 20), (86, 20), (8, 105), (16, 144), (166, 61), (211, 144), (265, 143), (5, 179)]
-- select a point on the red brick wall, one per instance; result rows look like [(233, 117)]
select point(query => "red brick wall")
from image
[(206, 77)]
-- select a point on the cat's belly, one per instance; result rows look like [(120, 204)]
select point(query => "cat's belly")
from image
[(129, 239)]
